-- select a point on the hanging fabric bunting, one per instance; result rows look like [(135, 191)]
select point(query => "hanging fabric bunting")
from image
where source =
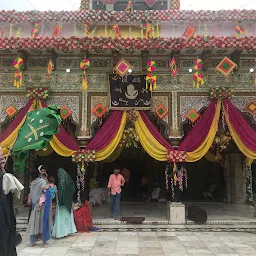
[(198, 76), (84, 64), (147, 30), (117, 31), (189, 32), (151, 80), (50, 68), (18, 64), (173, 67), (35, 30), (129, 6), (198, 64), (226, 66), (87, 28), (56, 31), (198, 79), (151, 66), (239, 31)]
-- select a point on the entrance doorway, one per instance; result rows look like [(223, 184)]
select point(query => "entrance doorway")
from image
[(146, 173)]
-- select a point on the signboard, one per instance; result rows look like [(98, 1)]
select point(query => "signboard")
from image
[(129, 92)]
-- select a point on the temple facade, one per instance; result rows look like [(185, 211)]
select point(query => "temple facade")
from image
[(216, 37)]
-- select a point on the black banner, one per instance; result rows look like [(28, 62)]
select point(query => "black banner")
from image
[(129, 92)]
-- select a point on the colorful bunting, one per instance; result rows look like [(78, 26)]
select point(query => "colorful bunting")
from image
[(11, 111), (18, 64), (56, 31), (173, 67), (151, 66), (35, 30), (192, 115), (99, 110), (198, 79), (87, 28), (117, 31), (151, 80), (147, 30), (161, 111), (50, 68), (189, 32), (239, 30), (84, 65), (129, 6), (37, 93), (226, 66), (198, 64), (122, 67)]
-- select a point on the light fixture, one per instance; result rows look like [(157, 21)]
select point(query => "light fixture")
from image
[(129, 70), (251, 70), (190, 70), (68, 70)]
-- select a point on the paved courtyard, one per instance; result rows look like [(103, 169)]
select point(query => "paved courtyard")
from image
[(146, 243)]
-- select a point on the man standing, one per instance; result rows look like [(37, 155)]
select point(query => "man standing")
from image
[(116, 181)]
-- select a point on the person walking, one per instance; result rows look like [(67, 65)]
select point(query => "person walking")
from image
[(116, 181)]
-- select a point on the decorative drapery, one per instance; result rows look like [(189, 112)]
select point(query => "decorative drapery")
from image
[(242, 133), (199, 140), (106, 151), (148, 141), (8, 137)]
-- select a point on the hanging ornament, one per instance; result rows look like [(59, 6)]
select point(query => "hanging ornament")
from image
[(198, 79), (151, 66), (129, 6), (173, 67), (239, 31), (56, 31), (117, 31), (151, 81), (87, 29), (198, 64), (35, 30), (147, 30), (84, 65), (50, 68), (18, 64)]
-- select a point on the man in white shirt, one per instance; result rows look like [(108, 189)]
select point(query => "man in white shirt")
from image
[(97, 195)]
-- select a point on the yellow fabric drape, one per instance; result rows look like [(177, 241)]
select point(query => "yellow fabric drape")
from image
[(108, 150), (10, 140), (246, 151), (148, 141), (117, 152), (210, 157), (59, 148), (205, 146)]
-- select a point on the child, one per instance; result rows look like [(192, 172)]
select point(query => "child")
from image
[(52, 188)]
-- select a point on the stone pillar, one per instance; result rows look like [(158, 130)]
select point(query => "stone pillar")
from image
[(176, 213), (237, 182)]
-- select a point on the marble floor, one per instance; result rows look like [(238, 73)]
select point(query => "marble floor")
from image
[(146, 243), (157, 211)]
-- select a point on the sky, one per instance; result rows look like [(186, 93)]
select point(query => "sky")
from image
[(58, 5)]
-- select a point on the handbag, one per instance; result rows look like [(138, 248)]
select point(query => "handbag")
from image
[(18, 238)]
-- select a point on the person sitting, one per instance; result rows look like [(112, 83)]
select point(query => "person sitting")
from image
[(83, 217), (97, 195), (156, 193)]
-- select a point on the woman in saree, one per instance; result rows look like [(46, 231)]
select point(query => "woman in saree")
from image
[(40, 222), (64, 220)]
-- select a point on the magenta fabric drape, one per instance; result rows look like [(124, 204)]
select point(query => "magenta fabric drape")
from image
[(12, 126), (199, 132), (155, 132), (107, 132), (240, 125), (63, 136)]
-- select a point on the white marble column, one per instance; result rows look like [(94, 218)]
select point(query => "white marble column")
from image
[(176, 213)]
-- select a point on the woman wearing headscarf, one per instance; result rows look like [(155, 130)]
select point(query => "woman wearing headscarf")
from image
[(9, 187), (64, 219), (40, 222)]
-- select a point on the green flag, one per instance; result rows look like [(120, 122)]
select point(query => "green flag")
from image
[(36, 133)]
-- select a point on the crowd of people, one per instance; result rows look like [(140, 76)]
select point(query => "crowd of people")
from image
[(53, 212)]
